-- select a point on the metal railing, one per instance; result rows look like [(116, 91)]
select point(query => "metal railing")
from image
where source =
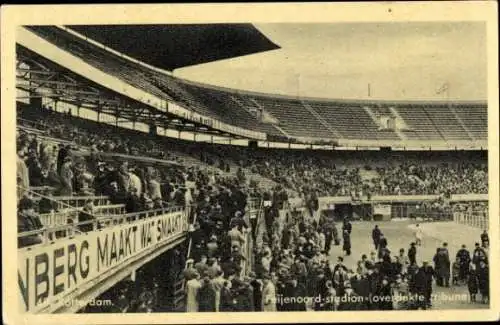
[(62, 217), (73, 201), (65, 224), (474, 219)]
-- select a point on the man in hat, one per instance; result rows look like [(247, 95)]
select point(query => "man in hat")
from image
[(412, 254), (479, 255), (464, 260), (442, 265), (376, 236)]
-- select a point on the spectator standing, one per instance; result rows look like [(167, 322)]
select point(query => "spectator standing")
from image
[(192, 287), (376, 236), (463, 256), (67, 177)]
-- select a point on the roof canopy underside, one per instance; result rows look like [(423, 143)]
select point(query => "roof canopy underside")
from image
[(170, 47)]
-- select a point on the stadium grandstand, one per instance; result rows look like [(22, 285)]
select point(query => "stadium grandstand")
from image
[(141, 191)]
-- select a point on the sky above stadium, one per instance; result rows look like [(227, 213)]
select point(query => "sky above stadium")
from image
[(401, 61)]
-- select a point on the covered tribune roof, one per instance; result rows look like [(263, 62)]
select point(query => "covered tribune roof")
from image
[(170, 47)]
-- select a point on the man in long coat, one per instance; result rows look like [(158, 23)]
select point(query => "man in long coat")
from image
[(376, 236), (484, 281), (347, 243), (412, 254), (442, 267), (423, 284), (464, 260)]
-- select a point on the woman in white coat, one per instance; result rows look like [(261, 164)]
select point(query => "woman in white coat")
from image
[(192, 287), (268, 295)]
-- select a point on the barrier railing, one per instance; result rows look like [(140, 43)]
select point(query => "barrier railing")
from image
[(48, 234), (74, 201), (474, 219)]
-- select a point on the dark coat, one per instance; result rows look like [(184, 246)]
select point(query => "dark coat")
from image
[(423, 280), (483, 280), (464, 256), (412, 252), (385, 296), (347, 242), (347, 226), (442, 264), (472, 282), (206, 299), (244, 300), (479, 255), (383, 243), (226, 300), (257, 294), (295, 293)]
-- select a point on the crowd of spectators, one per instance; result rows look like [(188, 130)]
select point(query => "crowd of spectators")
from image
[(295, 264), (292, 262), (328, 173)]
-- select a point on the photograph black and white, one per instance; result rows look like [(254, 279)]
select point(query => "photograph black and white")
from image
[(252, 166)]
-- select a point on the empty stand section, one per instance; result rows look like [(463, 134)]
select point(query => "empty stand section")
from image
[(290, 117)]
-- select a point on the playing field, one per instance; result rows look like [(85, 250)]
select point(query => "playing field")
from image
[(400, 235)]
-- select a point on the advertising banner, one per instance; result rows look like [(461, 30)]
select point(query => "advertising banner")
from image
[(49, 273)]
